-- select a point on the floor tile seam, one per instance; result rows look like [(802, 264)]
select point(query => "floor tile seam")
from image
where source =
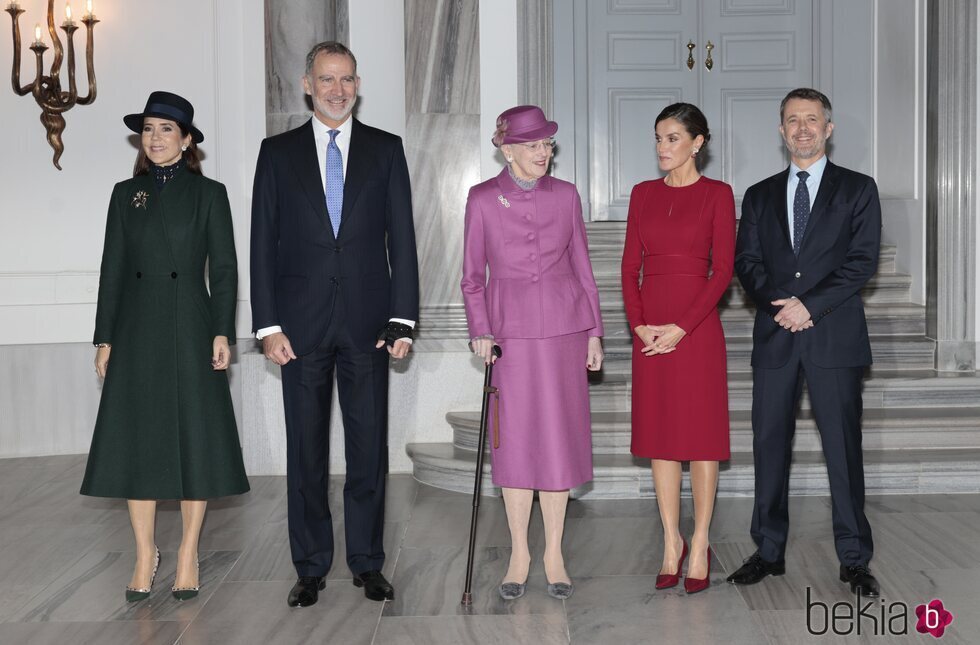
[(217, 585), (757, 621), (477, 615), (45, 586)]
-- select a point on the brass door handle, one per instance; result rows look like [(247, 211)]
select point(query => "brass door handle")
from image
[(708, 63), (690, 54)]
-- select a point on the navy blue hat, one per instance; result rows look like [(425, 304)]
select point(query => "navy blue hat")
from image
[(166, 105)]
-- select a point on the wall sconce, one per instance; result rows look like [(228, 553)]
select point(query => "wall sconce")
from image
[(47, 88)]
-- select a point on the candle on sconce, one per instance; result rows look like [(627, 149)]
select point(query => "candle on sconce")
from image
[(89, 14), (14, 5), (37, 34), (68, 21)]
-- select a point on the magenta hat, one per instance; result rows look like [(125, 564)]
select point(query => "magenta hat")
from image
[(522, 124)]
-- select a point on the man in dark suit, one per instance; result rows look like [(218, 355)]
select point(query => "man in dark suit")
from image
[(334, 279), (807, 243)]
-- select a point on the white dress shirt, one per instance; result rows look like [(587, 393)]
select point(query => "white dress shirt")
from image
[(321, 134), (812, 185)]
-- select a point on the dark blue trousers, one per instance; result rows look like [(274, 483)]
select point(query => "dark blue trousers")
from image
[(835, 397), (362, 389)]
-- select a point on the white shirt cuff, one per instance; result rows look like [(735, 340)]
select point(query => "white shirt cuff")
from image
[(267, 331)]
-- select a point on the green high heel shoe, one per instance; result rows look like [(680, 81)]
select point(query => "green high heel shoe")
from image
[(186, 593), (135, 595)]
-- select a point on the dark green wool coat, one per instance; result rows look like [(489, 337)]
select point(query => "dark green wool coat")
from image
[(166, 428)]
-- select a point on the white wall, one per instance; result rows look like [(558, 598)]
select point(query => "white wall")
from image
[(377, 38), (208, 51), (900, 133), (498, 75), (211, 52)]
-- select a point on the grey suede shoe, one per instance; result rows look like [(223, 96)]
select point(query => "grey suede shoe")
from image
[(512, 590), (561, 590)]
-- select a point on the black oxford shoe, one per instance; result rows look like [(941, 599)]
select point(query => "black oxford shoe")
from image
[(375, 585), (306, 591), (755, 569), (861, 580)]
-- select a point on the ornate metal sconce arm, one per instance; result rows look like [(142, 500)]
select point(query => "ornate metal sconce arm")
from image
[(46, 89), (15, 73)]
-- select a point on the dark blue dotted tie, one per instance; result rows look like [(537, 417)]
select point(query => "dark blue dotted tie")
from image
[(801, 210)]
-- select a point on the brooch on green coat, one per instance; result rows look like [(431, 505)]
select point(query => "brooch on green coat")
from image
[(139, 199)]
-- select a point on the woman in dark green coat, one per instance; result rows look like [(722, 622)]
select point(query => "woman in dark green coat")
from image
[(166, 428)]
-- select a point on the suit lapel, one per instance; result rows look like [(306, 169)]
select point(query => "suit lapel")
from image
[(307, 167), (828, 186), (779, 197), (358, 166)]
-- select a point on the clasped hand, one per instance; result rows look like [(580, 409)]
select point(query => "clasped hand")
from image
[(792, 316), (659, 339)]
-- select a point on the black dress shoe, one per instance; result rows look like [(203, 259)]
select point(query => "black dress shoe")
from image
[(375, 585), (306, 591), (755, 569), (861, 580)]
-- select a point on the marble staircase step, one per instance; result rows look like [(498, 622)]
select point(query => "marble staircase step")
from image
[(882, 429), (881, 289), (606, 248), (882, 389), (883, 319), (892, 352), (622, 476)]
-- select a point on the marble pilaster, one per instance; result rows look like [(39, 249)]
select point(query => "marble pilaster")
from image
[(535, 56), (952, 193), (442, 144), (291, 29)]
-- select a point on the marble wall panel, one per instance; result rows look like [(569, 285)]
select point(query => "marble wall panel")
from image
[(443, 158), (442, 56), (442, 78), (291, 29)]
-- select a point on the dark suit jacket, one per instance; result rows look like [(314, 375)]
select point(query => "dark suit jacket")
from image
[(838, 256), (298, 267)]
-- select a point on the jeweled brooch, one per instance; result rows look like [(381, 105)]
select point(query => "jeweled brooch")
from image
[(139, 199), (503, 200)]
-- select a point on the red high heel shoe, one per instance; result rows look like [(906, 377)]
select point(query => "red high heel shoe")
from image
[(668, 580), (694, 585)]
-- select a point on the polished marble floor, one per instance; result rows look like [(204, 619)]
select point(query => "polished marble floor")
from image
[(65, 559)]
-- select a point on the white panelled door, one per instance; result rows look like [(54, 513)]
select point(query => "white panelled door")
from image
[(638, 62)]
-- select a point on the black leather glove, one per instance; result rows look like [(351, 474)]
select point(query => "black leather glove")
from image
[(393, 331)]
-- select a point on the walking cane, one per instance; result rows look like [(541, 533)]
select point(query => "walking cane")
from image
[(481, 442)]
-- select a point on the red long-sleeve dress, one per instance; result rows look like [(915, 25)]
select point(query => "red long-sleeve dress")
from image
[(677, 264)]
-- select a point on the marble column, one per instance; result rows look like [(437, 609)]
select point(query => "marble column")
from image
[(952, 197), (442, 98), (291, 29)]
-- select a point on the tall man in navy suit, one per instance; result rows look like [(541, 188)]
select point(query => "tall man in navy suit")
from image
[(334, 278), (807, 243)]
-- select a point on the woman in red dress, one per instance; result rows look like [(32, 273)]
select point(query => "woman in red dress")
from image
[(678, 228)]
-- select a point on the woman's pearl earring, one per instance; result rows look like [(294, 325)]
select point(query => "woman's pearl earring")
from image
[(510, 160), (695, 152), (183, 148)]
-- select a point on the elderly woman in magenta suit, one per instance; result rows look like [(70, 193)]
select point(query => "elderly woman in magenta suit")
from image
[(166, 428), (541, 305)]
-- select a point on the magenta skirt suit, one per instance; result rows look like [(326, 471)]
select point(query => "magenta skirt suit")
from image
[(677, 264), (541, 304)]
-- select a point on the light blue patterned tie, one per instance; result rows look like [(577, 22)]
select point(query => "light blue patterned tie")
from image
[(335, 182)]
